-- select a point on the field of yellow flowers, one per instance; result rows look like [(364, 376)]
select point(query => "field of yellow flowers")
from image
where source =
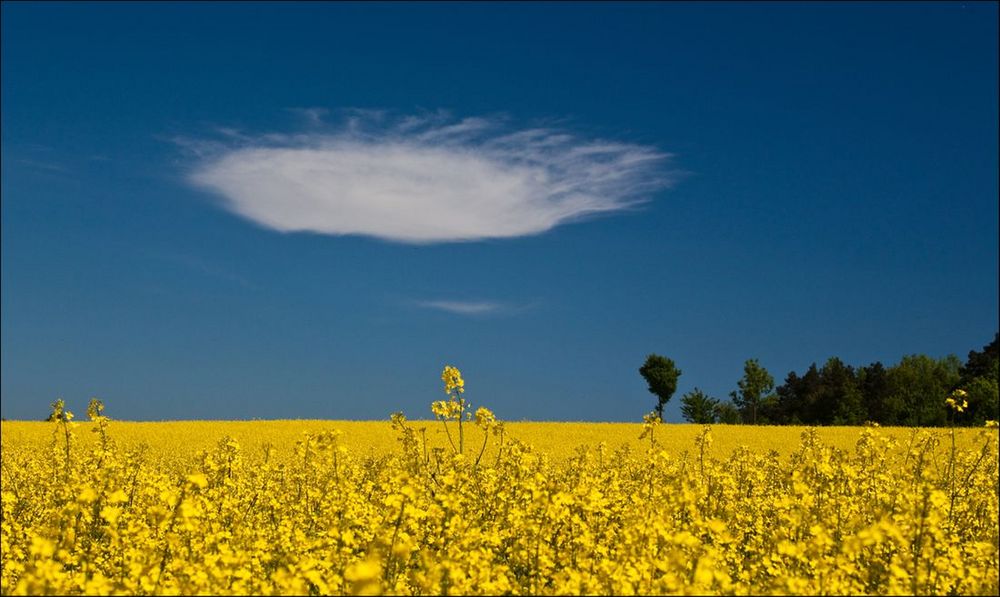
[(466, 504)]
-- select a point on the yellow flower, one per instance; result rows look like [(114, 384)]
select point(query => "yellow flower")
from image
[(351, 514), (94, 409), (447, 409), (485, 417), (198, 480), (452, 379), (364, 577), (953, 401)]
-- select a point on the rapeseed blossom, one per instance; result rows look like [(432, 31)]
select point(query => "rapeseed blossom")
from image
[(897, 513), (452, 379), (957, 401)]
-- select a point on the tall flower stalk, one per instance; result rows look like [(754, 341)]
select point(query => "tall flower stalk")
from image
[(454, 407), (956, 404)]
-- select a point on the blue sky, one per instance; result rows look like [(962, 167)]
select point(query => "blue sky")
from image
[(307, 210)]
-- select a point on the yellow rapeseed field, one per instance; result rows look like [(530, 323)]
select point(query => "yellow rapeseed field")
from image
[(466, 504)]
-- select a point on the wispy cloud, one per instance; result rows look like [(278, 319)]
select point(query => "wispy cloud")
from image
[(200, 265), (463, 307), (425, 178), (43, 165), (312, 116)]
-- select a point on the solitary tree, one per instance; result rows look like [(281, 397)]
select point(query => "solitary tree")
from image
[(699, 407), (661, 374), (756, 383)]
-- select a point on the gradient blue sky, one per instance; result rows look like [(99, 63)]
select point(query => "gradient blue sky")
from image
[(832, 190)]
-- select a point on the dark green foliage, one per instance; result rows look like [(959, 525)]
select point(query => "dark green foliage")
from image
[(983, 400), (727, 413), (919, 385), (979, 377), (876, 391), (661, 375), (797, 397), (769, 411), (699, 407), (840, 397), (910, 393), (982, 363), (756, 383)]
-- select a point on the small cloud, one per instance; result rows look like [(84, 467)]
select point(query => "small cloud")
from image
[(197, 264), (233, 133), (196, 148), (42, 165), (427, 178), (312, 116), (463, 307)]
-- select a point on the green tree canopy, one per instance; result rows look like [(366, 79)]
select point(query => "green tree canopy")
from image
[(727, 413), (873, 381), (979, 377), (756, 383), (920, 385), (840, 396), (661, 376), (699, 407), (982, 363)]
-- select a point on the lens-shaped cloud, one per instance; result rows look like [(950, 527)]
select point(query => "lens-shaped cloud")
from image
[(463, 307), (426, 179)]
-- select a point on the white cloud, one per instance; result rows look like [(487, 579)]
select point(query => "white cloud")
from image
[(312, 116), (425, 179), (462, 307)]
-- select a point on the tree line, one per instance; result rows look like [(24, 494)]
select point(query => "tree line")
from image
[(910, 393)]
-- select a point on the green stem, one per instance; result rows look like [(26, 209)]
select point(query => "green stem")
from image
[(461, 432), (450, 441), (423, 436), (951, 472), (486, 436), (65, 424), (500, 447)]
